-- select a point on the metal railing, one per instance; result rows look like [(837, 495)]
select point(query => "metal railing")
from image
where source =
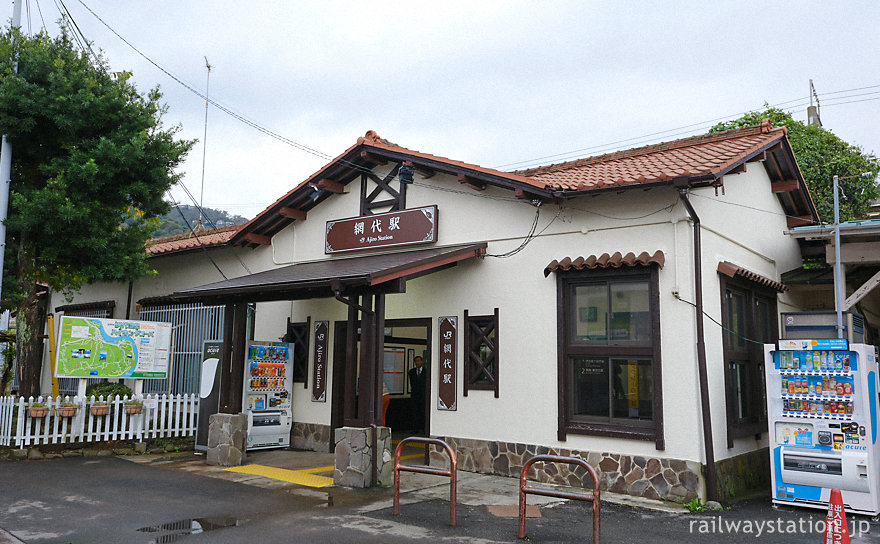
[(524, 489), (451, 473)]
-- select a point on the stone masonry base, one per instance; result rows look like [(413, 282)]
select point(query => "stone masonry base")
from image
[(354, 457), (227, 439), (650, 477), (745, 473), (310, 436)]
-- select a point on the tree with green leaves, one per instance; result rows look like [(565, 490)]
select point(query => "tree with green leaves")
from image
[(821, 155), (91, 162)]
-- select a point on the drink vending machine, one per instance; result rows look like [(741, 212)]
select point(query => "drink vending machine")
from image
[(822, 412), (268, 387)]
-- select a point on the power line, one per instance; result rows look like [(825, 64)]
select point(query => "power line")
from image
[(204, 249), (696, 127), (602, 147), (731, 331), (40, 11), (210, 222), (78, 35), (852, 102), (224, 109)]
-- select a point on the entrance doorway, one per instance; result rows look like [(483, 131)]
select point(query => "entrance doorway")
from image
[(404, 340)]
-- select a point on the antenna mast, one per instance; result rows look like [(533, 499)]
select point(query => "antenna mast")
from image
[(204, 147)]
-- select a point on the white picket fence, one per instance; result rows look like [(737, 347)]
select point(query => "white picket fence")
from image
[(162, 416)]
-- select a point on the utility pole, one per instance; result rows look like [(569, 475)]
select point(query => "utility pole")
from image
[(838, 269), (204, 146), (813, 111), (6, 169)]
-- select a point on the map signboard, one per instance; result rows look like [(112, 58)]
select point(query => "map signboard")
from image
[(89, 347)]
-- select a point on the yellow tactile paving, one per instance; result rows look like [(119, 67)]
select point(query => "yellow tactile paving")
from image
[(306, 477), (300, 477)]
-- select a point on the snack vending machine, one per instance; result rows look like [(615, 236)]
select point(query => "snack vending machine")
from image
[(822, 413), (268, 386)]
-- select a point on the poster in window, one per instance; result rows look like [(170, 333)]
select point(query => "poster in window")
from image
[(394, 369), (319, 376), (446, 376)]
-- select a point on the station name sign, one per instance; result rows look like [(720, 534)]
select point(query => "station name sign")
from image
[(391, 229)]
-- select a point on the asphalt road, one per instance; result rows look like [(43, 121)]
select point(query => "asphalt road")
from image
[(109, 500)]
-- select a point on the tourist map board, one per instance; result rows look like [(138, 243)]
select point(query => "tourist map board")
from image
[(89, 347)]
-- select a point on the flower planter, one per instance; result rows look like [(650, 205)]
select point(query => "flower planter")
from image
[(132, 409), (66, 411), (99, 409), (38, 411)]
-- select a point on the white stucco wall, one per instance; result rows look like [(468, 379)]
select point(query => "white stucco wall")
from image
[(744, 225), (734, 230)]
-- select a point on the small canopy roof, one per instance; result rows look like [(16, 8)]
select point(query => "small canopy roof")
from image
[(322, 279)]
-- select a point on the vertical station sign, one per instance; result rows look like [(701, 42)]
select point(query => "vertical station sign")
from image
[(319, 376), (446, 393)]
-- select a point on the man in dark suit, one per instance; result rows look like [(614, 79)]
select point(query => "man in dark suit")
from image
[(417, 383)]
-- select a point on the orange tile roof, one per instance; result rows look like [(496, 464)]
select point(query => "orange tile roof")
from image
[(373, 140), (182, 242), (704, 155), (606, 261), (730, 269), (704, 158)]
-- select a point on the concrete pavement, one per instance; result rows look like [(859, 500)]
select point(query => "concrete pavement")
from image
[(178, 498)]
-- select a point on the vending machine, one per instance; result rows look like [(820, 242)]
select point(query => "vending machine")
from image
[(822, 414), (268, 387)]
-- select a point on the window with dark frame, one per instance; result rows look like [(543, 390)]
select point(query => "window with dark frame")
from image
[(481, 352), (609, 358), (749, 320), (298, 335)]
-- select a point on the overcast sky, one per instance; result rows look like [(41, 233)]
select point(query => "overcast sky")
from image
[(503, 84)]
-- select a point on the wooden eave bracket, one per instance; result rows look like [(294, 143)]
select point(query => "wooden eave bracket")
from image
[(525, 195), (784, 186), (292, 213), (331, 186), (372, 158), (799, 221), (860, 293), (473, 183), (760, 157), (737, 170), (424, 171), (719, 183), (258, 239)]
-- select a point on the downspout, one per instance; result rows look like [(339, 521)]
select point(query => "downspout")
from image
[(711, 490), (128, 301)]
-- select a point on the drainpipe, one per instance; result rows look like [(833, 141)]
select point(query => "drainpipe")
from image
[(711, 490), (128, 301)]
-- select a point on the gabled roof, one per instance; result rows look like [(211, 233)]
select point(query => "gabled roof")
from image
[(703, 159), (689, 162), (368, 152), (185, 242)]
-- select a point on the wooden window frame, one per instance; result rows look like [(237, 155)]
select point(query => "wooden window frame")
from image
[(471, 357), (756, 424), (566, 348)]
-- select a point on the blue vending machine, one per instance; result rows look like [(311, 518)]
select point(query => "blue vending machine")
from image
[(268, 387), (822, 416)]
